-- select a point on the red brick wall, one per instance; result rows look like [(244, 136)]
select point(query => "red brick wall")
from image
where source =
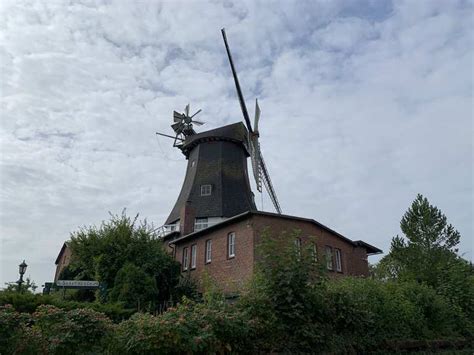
[(64, 261), (354, 259), (229, 274)]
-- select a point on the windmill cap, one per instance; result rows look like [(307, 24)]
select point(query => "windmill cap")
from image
[(236, 132)]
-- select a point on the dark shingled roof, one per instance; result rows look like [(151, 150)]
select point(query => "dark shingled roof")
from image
[(218, 158)]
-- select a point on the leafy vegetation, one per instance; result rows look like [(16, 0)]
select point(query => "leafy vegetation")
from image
[(127, 256), (428, 255), (29, 303), (290, 306)]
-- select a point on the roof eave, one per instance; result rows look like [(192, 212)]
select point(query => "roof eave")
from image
[(61, 253), (371, 250)]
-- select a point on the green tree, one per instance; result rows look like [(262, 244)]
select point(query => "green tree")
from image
[(429, 244), (428, 254), (99, 253), (285, 300), (133, 287)]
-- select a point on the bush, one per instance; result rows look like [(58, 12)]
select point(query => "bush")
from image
[(366, 313), (349, 315), (24, 302), (11, 325), (51, 330), (189, 328), (292, 307), (72, 332), (29, 302)]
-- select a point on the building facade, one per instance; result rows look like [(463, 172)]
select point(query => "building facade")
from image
[(63, 260), (226, 252)]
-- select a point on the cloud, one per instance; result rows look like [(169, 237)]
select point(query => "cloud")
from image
[(364, 104)]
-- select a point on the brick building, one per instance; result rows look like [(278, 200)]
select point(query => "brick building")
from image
[(63, 259), (226, 251), (214, 225)]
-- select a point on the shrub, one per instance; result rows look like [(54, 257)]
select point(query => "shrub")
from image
[(189, 328), (286, 299), (11, 325), (367, 313), (28, 303), (24, 302), (75, 331)]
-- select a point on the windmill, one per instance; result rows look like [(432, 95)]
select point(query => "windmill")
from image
[(183, 126), (259, 168)]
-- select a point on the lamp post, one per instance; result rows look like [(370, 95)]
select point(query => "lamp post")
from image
[(21, 269)]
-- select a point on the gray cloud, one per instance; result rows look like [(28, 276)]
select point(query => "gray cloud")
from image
[(364, 104)]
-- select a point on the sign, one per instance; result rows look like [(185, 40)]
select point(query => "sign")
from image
[(77, 283)]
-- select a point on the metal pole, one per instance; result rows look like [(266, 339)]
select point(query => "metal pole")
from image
[(20, 281)]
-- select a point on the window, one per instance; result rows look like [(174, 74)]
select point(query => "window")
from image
[(193, 256), (185, 258), (206, 190), (200, 223), (298, 248), (329, 258), (338, 260), (314, 252), (231, 245), (208, 251)]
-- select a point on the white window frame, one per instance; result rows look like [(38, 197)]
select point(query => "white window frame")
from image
[(193, 256), (329, 263), (298, 248), (338, 254), (231, 245), (315, 252), (185, 258), (206, 190), (201, 223), (208, 251)]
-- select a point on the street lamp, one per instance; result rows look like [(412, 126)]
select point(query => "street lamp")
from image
[(21, 269)]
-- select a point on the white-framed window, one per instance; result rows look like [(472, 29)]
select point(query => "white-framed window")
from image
[(329, 258), (193, 256), (206, 190), (208, 251), (298, 248), (338, 260), (314, 252), (185, 258), (231, 245), (200, 223)]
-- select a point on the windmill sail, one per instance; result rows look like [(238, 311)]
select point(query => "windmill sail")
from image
[(257, 117), (256, 165), (268, 185), (260, 171), (237, 85)]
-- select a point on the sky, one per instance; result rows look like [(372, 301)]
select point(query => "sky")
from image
[(364, 104)]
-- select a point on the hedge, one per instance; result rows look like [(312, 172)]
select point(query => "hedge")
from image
[(350, 315)]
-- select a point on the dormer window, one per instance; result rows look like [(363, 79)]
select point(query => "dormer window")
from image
[(206, 190), (200, 223)]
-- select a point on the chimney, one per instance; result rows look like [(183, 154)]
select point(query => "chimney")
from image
[(187, 217)]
